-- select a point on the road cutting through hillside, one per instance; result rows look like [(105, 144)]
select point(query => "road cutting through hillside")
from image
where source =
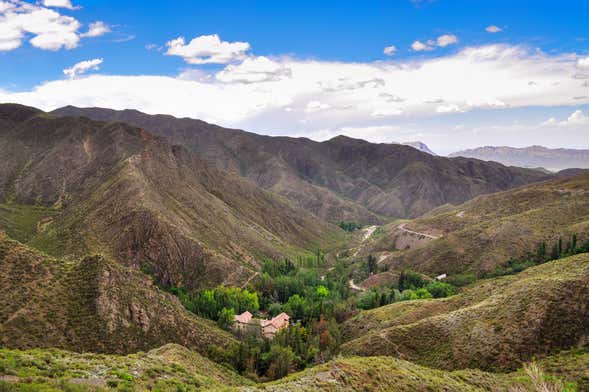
[(402, 228)]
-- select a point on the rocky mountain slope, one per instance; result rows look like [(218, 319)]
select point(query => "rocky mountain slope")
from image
[(487, 231), (340, 179), (91, 304), (554, 159), (120, 191), (494, 324)]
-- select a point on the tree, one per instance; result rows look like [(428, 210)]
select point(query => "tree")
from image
[(280, 361), (541, 252), (372, 265), (554, 253), (410, 280), (296, 307), (574, 244), (440, 289), (225, 318)]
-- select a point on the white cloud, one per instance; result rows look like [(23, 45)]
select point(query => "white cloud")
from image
[(577, 118), (207, 49), (583, 63), (390, 50), (96, 29), (315, 106), (47, 28), (493, 29), (82, 67), (59, 4), (446, 39), (419, 46), (254, 70), (323, 95)]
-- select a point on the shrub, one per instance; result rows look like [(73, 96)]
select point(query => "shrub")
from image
[(440, 289)]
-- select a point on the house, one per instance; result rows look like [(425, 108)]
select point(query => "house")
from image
[(246, 323), (241, 322), (275, 324)]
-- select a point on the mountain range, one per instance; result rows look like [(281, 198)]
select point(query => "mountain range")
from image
[(553, 159), (118, 227), (115, 189), (340, 179)]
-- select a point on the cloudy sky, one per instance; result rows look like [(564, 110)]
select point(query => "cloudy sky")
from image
[(451, 73)]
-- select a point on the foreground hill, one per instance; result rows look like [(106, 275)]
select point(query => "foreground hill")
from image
[(118, 190), (173, 367), (90, 305), (340, 179), (534, 156), (489, 230), (494, 324)]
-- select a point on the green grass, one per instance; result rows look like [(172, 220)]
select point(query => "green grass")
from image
[(175, 368), (22, 222)]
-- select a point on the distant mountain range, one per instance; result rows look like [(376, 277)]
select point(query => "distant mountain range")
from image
[(532, 157), (339, 179)]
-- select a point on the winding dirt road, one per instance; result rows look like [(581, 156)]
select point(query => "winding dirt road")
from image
[(402, 228)]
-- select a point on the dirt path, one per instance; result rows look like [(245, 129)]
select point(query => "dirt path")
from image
[(402, 228), (353, 286), (250, 279), (368, 232)]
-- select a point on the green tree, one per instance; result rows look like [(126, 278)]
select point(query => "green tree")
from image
[(280, 361), (554, 253), (225, 318), (372, 265), (440, 289)]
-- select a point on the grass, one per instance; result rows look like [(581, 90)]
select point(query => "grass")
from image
[(22, 222), (175, 368), (494, 324)]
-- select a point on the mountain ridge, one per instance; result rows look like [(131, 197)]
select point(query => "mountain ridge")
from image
[(339, 179)]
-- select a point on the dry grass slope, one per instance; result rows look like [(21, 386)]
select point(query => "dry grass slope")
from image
[(494, 324)]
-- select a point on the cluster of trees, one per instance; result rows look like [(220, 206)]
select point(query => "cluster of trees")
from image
[(291, 349), (411, 285), (349, 226), (220, 303), (542, 255), (315, 304)]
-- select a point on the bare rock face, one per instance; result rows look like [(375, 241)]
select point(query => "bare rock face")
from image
[(340, 179)]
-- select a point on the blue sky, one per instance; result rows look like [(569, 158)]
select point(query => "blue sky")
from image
[(428, 90)]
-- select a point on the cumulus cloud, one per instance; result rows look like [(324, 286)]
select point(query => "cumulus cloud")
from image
[(390, 50), (254, 70), (47, 28), (577, 118), (259, 94), (446, 39), (442, 41), (96, 29), (583, 63), (419, 46), (207, 49), (493, 29), (82, 67), (59, 4)]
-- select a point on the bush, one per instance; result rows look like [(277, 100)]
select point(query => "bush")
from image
[(422, 293), (440, 289), (407, 295)]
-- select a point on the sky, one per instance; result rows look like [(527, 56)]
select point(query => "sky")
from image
[(454, 74)]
